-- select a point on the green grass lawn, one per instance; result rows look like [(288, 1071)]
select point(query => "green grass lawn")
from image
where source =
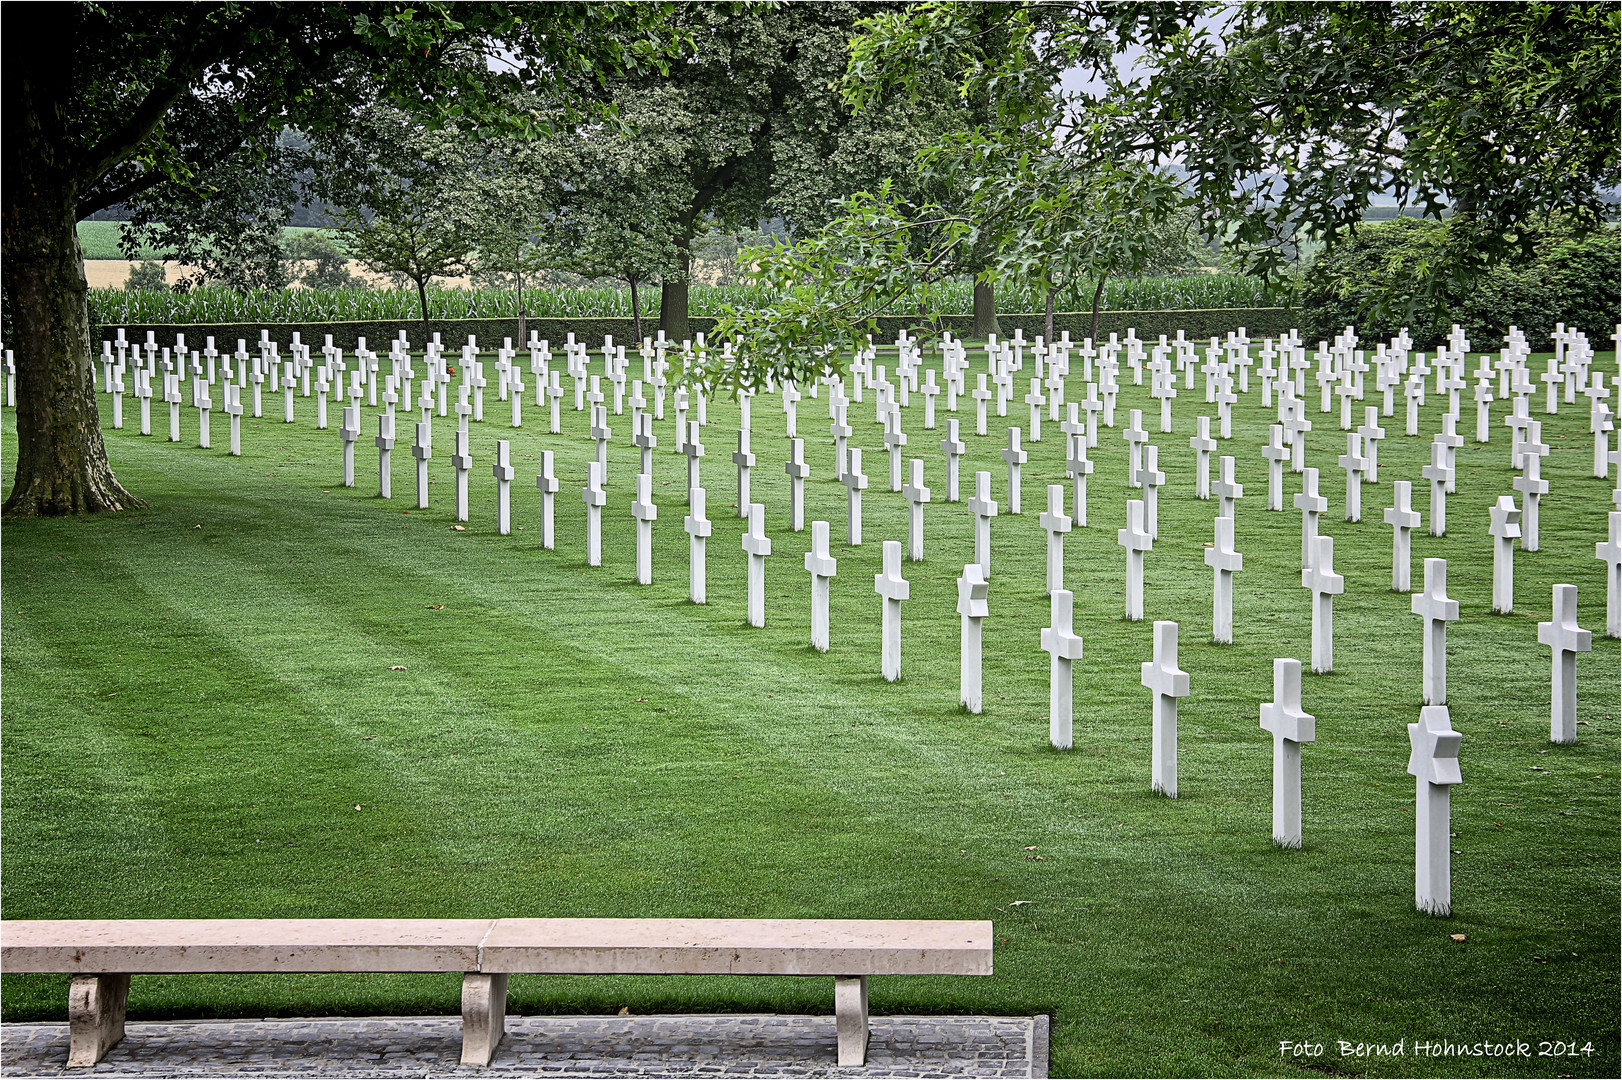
[(99, 240), (203, 718)]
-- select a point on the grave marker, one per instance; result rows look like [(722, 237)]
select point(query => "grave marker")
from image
[(1277, 455), (1532, 487), (757, 546), (823, 568), (1311, 504), (1057, 523), (1290, 727), (916, 495), (797, 471), (1136, 540), (1325, 585), (984, 508), (1609, 551), (385, 444), (698, 528), (502, 470), (1434, 606), (546, 481), (972, 607), (1433, 761), (462, 462), (645, 513), (1167, 682), (1505, 530), (1228, 491), (893, 589), (1565, 639), (1064, 648), (1224, 562), (1352, 461), (594, 497), (954, 449), (1014, 456), (1079, 467), (1403, 520), (422, 448)]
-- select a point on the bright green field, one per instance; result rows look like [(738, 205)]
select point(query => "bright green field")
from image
[(202, 718), (99, 240)]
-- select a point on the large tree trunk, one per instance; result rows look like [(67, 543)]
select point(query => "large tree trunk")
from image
[(523, 326), (1047, 324), (1098, 298), (62, 465), (636, 312), (985, 311), (673, 294)]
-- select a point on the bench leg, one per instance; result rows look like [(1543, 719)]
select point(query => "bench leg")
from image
[(95, 1016), (484, 1016), (850, 1018)]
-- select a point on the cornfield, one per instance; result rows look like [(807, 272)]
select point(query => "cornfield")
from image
[(213, 306)]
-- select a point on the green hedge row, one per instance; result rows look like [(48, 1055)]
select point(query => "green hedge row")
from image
[(1196, 325)]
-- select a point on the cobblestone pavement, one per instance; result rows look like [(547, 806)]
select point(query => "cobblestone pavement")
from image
[(580, 1046)]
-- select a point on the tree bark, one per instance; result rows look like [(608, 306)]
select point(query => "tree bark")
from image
[(62, 465), (985, 311), (1098, 296), (523, 326), (673, 294), (422, 300), (1047, 324), (636, 311)]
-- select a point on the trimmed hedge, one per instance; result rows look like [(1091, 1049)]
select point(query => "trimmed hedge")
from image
[(1196, 325)]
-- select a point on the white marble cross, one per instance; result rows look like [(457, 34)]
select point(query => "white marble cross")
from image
[(1064, 647), (916, 495), (929, 390), (1151, 480), (1135, 437), (984, 508), (954, 449), (1290, 727), (798, 471), (646, 513), (1433, 761), (502, 470), (1079, 467), (1224, 562), (1325, 585), (893, 589), (1035, 400), (546, 481), (744, 459), (1014, 456), (422, 449), (1403, 520), (594, 498), (1167, 682), (1438, 473), (757, 546), (1057, 523), (1277, 454), (981, 397), (822, 567), (694, 451), (1505, 529), (1228, 491), (1437, 609), (1136, 540), (895, 441), (601, 433), (1566, 639), (462, 462), (1532, 487), (972, 608), (1609, 551), (1203, 445), (1353, 461), (1311, 505), (385, 444), (1372, 433), (855, 482), (840, 431)]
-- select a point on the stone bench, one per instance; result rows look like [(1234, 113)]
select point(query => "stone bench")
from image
[(102, 954)]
